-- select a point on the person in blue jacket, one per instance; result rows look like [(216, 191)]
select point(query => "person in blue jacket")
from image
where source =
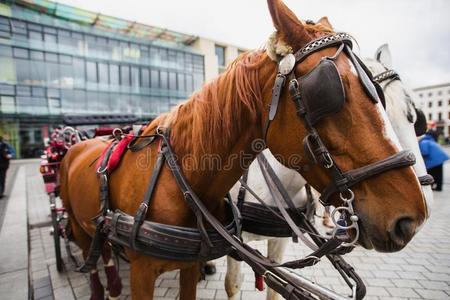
[(434, 156)]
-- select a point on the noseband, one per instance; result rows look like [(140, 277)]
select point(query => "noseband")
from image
[(419, 125), (320, 93)]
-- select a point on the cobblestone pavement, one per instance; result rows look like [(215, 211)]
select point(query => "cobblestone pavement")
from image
[(420, 271)]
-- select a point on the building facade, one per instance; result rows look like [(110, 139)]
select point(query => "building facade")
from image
[(56, 59), (434, 100)]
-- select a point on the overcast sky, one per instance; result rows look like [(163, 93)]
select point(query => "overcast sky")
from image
[(417, 31)]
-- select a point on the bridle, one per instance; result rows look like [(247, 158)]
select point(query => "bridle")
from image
[(384, 79), (341, 182)]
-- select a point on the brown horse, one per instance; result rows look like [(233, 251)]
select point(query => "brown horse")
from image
[(223, 119)]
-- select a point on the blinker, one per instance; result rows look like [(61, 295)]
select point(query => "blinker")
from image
[(322, 91)]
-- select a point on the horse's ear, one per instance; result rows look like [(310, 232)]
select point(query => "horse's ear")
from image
[(289, 27), (325, 22), (383, 55)]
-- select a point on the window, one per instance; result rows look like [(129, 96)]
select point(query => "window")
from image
[(430, 94), (114, 74), (220, 53), (125, 75), (7, 89), (51, 68), (4, 28), (23, 70), (430, 104), (38, 91), (440, 116), (7, 104), (19, 27), (23, 90), (420, 95), (180, 60), (163, 76), (154, 77), (78, 71), (189, 83), (181, 82), (449, 102), (54, 105), (20, 52), (135, 77), (66, 72), (5, 50), (50, 38), (37, 36), (145, 78), (448, 117), (91, 71), (439, 93), (65, 59), (430, 117), (37, 55), (172, 81), (37, 69), (51, 57), (53, 93), (198, 81), (103, 73), (440, 103)]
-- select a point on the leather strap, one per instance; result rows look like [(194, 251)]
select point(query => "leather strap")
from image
[(401, 159), (273, 181), (142, 210), (242, 190), (276, 93)]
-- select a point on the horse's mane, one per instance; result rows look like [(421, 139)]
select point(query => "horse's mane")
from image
[(209, 117)]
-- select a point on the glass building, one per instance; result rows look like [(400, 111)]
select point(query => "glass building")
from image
[(56, 60)]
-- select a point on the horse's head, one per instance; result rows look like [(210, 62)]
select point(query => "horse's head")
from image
[(407, 121), (329, 112)]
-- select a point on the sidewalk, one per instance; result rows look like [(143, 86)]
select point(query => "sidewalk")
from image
[(14, 243), (420, 271)]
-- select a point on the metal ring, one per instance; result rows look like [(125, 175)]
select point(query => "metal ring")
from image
[(294, 81), (339, 226), (102, 171), (328, 160), (354, 240), (117, 133), (349, 199)]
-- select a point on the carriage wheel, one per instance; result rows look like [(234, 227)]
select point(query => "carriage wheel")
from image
[(56, 233)]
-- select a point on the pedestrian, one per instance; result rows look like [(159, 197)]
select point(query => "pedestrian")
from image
[(5, 157), (434, 156)]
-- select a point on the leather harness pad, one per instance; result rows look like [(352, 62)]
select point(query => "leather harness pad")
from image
[(322, 91), (117, 153)]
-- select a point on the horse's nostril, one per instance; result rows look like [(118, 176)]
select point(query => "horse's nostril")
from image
[(404, 229)]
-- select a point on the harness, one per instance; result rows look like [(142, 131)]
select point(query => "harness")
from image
[(318, 94), (162, 240), (420, 125)]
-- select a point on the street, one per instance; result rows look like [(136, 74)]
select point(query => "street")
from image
[(420, 271)]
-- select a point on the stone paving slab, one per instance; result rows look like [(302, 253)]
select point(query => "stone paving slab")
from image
[(14, 243), (420, 271)]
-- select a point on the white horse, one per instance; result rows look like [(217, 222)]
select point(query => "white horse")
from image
[(402, 114)]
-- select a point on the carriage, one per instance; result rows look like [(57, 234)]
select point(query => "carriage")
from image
[(61, 139)]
